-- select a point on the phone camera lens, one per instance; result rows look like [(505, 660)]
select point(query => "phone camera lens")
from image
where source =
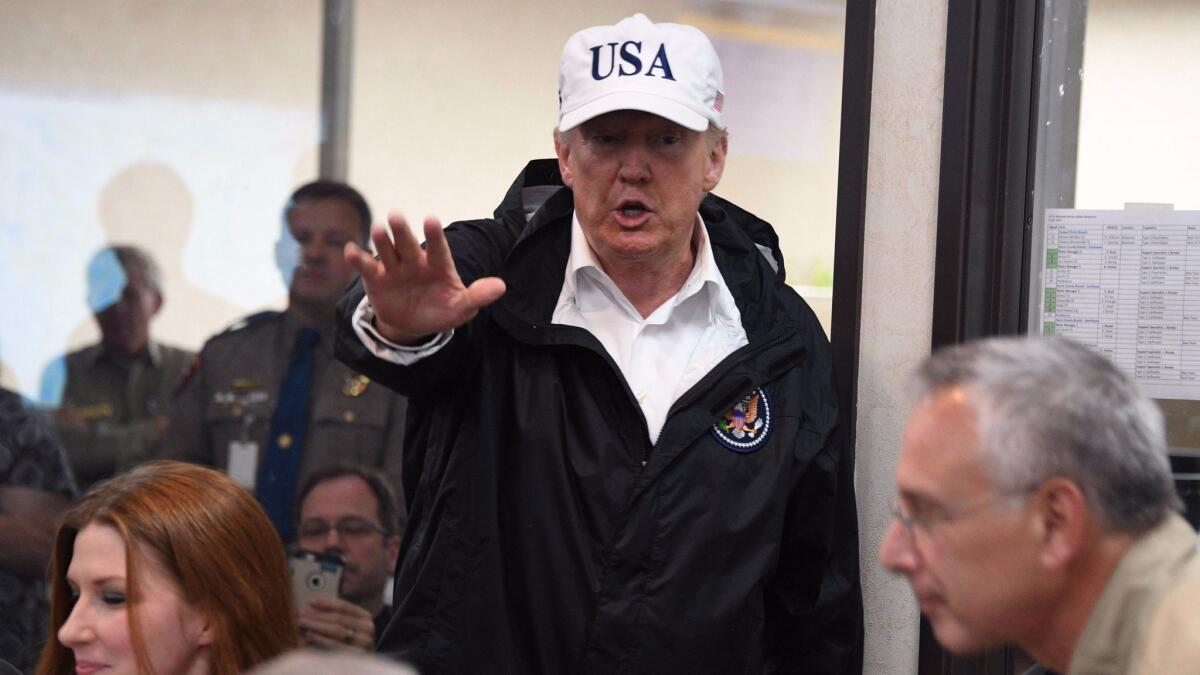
[(315, 581)]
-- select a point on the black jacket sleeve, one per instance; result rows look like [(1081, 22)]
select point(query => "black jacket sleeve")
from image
[(814, 601)]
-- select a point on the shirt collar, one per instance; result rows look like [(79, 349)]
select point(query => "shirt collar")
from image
[(153, 353), (582, 260), (292, 324)]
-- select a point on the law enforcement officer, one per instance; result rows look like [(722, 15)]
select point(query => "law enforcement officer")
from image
[(114, 394), (265, 400), (1035, 506)]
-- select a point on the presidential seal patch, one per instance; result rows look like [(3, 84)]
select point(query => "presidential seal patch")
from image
[(745, 426)]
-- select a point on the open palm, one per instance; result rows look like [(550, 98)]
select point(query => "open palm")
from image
[(417, 292)]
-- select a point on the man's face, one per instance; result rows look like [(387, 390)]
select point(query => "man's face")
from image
[(321, 229), (638, 180), (125, 324), (370, 556), (970, 555)]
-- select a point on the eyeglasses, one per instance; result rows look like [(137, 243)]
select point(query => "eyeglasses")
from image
[(349, 528), (926, 517)]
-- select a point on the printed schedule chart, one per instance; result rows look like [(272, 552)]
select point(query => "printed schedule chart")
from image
[(1127, 284)]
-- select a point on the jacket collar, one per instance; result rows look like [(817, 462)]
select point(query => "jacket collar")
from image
[(97, 354), (540, 207)]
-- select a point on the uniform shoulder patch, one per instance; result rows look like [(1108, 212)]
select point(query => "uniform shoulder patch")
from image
[(251, 320), (246, 322), (197, 363), (746, 426)]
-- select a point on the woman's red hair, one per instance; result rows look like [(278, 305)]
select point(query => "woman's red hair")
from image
[(207, 533)]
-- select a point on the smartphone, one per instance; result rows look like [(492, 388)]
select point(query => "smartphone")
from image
[(314, 574)]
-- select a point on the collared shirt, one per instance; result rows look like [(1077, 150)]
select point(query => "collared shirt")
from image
[(221, 414), (1116, 629), (121, 402), (661, 356), (664, 354)]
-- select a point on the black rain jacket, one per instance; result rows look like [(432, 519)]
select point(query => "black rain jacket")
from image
[(547, 535)]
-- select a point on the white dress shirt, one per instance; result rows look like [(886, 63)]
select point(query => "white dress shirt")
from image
[(661, 356)]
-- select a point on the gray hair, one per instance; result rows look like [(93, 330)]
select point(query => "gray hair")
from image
[(311, 662), (1049, 407), (132, 256)]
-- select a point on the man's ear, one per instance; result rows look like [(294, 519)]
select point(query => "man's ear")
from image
[(393, 551), (562, 148), (716, 163), (1061, 521), (158, 303)]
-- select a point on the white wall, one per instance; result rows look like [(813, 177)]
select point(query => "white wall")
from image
[(177, 126), (1138, 137), (897, 298)]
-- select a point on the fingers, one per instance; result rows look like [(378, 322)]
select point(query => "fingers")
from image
[(357, 641), (400, 247), (402, 237), (331, 622), (436, 246), (383, 243), (362, 261), (485, 291), (323, 604)]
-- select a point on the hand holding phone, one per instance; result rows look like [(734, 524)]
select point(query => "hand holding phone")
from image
[(333, 623), (314, 574)]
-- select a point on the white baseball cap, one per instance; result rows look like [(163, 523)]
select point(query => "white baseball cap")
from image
[(667, 69)]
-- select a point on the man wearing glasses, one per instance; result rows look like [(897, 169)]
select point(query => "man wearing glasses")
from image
[(350, 511), (1036, 507)]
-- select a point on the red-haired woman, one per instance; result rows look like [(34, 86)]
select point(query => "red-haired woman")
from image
[(169, 569)]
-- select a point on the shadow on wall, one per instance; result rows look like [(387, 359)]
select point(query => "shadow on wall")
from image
[(148, 204)]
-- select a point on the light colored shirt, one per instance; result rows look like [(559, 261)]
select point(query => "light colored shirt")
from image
[(123, 405), (660, 356), (1136, 627)]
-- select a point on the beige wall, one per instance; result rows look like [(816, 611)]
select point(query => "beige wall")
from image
[(897, 297), (1138, 137), (264, 50), (177, 126)]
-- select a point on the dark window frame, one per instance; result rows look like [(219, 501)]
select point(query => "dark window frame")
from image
[(858, 57), (981, 269)]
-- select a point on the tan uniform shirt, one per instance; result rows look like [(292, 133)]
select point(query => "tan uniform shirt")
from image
[(226, 404), (121, 403), (1172, 641), (1147, 620)]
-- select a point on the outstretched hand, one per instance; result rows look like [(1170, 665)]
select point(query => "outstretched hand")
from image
[(417, 292)]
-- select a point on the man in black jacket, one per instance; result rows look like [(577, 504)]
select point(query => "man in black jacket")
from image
[(623, 451)]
